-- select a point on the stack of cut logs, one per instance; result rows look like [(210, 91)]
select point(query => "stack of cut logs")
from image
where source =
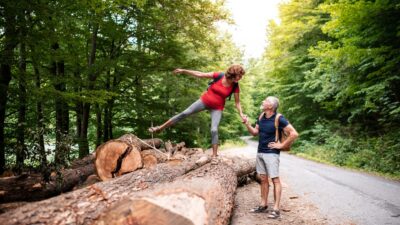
[(142, 184)]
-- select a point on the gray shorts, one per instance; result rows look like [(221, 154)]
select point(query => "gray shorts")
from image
[(268, 164)]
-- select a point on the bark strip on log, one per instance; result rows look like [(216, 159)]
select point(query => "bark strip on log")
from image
[(203, 196), (134, 140), (84, 205)]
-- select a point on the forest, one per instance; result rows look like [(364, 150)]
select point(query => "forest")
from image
[(75, 74)]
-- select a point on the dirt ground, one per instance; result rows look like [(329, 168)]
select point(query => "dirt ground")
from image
[(294, 210)]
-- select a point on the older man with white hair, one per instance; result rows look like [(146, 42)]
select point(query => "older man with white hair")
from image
[(267, 163)]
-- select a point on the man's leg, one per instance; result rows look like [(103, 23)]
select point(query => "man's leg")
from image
[(272, 164), (277, 192), (264, 186), (264, 189)]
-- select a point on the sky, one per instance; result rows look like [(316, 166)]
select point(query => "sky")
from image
[(251, 18)]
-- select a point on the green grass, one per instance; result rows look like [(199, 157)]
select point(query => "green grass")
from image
[(324, 155), (232, 144)]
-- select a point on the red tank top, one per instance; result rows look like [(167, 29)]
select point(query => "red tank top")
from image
[(216, 94)]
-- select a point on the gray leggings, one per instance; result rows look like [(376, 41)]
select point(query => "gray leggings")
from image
[(198, 106)]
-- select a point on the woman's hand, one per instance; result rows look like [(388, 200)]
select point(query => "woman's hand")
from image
[(176, 71)]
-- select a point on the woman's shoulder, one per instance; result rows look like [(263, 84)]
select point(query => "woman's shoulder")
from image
[(218, 75)]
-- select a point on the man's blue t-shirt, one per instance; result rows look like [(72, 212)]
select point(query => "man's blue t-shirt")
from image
[(266, 134)]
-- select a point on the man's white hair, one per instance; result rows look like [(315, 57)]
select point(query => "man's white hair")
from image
[(275, 102)]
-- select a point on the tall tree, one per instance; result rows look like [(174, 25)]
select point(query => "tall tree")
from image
[(9, 43), (21, 150)]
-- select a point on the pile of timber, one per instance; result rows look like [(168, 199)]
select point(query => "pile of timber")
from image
[(32, 187), (171, 185)]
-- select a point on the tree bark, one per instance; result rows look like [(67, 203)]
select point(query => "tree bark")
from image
[(62, 111), (7, 56), (84, 144), (83, 206), (21, 149), (40, 127), (144, 144), (99, 129), (203, 196)]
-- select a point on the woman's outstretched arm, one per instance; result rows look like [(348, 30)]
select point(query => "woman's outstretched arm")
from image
[(194, 73)]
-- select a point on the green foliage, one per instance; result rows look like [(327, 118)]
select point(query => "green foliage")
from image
[(125, 76), (334, 66), (340, 147)]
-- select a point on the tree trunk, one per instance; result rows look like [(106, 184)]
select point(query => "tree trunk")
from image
[(7, 55), (83, 206), (99, 131), (21, 147), (84, 144), (62, 112), (107, 107), (40, 129), (203, 196)]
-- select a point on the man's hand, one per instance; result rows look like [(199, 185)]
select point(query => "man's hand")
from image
[(275, 145), (245, 120)]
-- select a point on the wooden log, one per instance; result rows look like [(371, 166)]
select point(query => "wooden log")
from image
[(115, 158), (83, 206), (151, 157), (149, 160), (33, 188), (168, 147), (179, 146), (89, 159), (241, 166), (191, 151), (122, 155), (141, 144), (203, 196)]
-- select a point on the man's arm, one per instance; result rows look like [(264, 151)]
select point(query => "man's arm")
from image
[(289, 129), (194, 73), (253, 130)]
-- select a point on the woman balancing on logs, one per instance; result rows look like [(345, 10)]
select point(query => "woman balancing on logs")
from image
[(221, 87)]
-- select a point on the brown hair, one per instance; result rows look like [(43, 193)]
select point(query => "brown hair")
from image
[(233, 71)]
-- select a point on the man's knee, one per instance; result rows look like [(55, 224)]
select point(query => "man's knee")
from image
[(276, 180), (263, 178)]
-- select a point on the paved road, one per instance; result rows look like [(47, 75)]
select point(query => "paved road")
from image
[(343, 196)]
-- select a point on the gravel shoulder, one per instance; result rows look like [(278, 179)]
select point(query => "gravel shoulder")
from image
[(294, 210)]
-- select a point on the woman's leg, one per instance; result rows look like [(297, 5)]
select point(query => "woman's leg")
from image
[(215, 119), (197, 106)]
